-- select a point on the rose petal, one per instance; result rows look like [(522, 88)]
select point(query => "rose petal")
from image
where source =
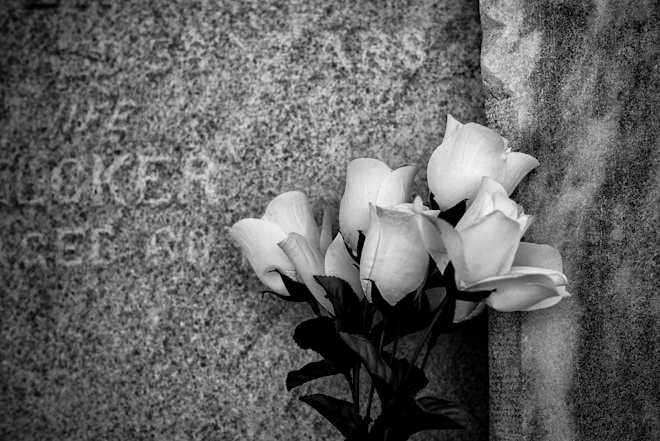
[(551, 301), (452, 126), (557, 277), (308, 262), (369, 251), (507, 149), (483, 203), (502, 203), (339, 263), (525, 221), (536, 255), (418, 207), (326, 229), (293, 214), (364, 177), (436, 233), (489, 247), (394, 257), (258, 240), (395, 189), (458, 165), (521, 292), (518, 165)]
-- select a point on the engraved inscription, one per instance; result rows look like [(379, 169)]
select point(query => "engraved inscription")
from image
[(167, 245), (73, 190), (73, 246), (67, 246), (98, 256), (145, 177), (162, 245), (129, 179), (104, 178)]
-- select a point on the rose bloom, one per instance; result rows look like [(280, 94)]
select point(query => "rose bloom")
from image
[(394, 256), (467, 153), (370, 181), (287, 239), (487, 254)]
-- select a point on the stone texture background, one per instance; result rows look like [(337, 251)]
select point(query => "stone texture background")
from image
[(577, 85), (132, 134)]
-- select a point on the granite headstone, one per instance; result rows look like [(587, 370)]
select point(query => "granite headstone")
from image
[(577, 85), (133, 134)]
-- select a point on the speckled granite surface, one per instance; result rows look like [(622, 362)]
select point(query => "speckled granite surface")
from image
[(132, 135), (577, 84)]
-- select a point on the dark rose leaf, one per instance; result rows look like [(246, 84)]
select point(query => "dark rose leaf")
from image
[(311, 371), (320, 335), (368, 353), (341, 414)]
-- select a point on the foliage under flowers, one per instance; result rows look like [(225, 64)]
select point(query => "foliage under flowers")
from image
[(355, 336), (398, 268)]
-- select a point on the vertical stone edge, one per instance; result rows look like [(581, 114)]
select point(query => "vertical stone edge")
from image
[(505, 377), (506, 63)]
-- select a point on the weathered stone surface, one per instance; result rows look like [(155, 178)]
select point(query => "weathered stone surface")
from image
[(577, 84), (132, 135)]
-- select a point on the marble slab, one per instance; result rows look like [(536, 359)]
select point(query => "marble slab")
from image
[(132, 135), (577, 85)]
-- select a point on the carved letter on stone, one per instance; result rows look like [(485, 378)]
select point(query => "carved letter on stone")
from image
[(67, 248), (144, 178), (154, 247), (95, 255), (100, 177), (57, 181), (91, 115), (203, 177), (119, 116)]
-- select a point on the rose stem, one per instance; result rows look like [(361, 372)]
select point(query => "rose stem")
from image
[(396, 340), (358, 365), (427, 334), (426, 356), (380, 349)]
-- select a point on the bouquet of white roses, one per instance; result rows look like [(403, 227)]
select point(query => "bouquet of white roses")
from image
[(398, 267)]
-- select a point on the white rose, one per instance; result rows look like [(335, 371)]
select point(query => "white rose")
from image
[(394, 256), (368, 181), (289, 212), (487, 255), (467, 153)]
